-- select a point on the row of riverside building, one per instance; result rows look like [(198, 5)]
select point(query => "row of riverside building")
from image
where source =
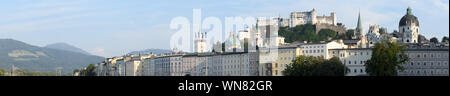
[(425, 58)]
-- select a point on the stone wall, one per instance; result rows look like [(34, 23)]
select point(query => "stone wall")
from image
[(340, 29)]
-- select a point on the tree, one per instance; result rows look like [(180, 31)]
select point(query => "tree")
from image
[(315, 66), (89, 71), (2, 72), (445, 39), (331, 67), (386, 59), (306, 32), (301, 66), (223, 47), (324, 34), (349, 34), (383, 31), (76, 70), (434, 40)]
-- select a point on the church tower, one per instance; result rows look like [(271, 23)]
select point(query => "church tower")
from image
[(200, 41), (409, 27), (359, 30)]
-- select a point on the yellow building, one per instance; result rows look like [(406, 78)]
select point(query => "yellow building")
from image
[(273, 63), (286, 54)]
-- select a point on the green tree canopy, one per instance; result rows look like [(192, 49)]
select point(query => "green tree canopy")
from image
[(315, 66), (306, 32), (434, 40), (89, 71), (2, 72), (444, 39), (349, 34), (325, 34), (386, 59)]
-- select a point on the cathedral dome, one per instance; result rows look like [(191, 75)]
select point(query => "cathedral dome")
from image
[(232, 42), (409, 18)]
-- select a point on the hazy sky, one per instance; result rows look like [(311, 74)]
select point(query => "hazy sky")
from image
[(115, 27)]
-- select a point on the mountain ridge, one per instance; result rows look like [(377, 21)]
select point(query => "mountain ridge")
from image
[(34, 58), (66, 47)]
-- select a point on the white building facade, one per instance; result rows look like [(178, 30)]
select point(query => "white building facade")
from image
[(354, 58)]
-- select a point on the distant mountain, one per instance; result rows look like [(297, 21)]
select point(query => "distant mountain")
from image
[(154, 51), (66, 47), (34, 58)]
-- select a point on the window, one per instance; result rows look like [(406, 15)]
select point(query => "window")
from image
[(276, 72)]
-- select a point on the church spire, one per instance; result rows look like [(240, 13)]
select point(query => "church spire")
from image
[(359, 26)]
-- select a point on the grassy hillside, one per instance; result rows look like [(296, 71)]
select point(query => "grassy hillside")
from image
[(34, 58)]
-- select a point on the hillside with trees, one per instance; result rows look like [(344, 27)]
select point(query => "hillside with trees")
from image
[(307, 33), (41, 59)]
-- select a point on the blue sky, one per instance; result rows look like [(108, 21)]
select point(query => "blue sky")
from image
[(115, 27)]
